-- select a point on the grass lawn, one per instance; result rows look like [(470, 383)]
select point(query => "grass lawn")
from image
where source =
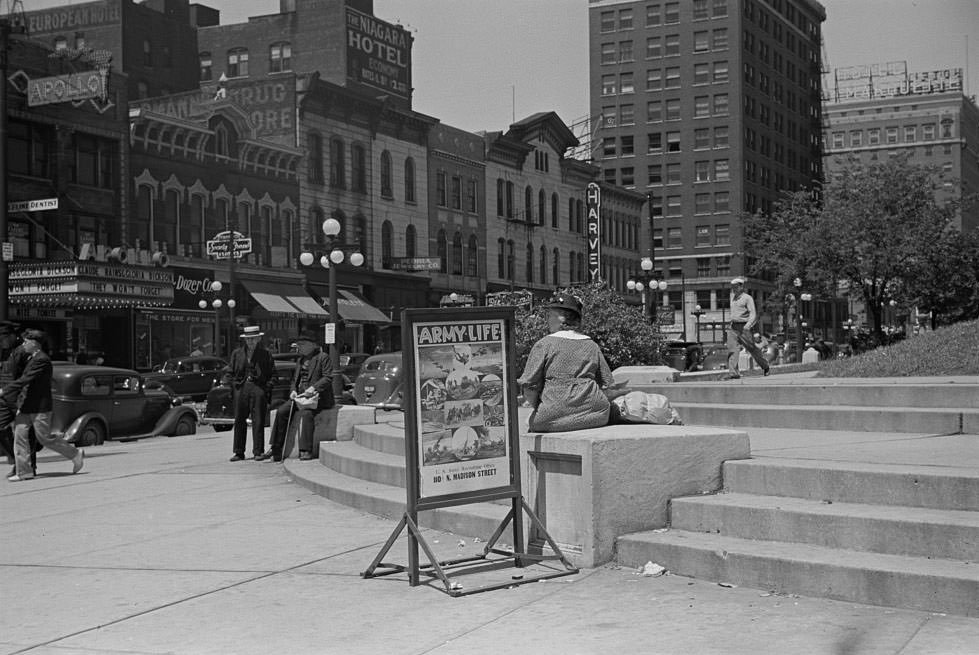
[(952, 350)]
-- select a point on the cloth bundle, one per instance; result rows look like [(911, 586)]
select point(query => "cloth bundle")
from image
[(642, 407), (307, 402)]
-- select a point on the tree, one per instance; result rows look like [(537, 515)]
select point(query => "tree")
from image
[(874, 227), (619, 329)]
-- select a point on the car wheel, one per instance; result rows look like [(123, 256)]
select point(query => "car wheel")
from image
[(92, 435), (222, 428), (185, 425)]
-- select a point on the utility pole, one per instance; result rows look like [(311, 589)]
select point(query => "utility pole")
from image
[(12, 23)]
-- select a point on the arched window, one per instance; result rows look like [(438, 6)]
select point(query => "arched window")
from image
[(144, 213), (142, 90), (554, 210), (147, 53), (411, 237), (472, 257), (570, 214), (541, 206), (358, 168), (316, 226), (556, 265), (358, 234), (221, 141), (280, 57), (511, 260), (165, 228), (409, 180), (501, 259), (386, 187), (237, 62), (441, 252), (582, 271), (577, 217), (572, 267), (387, 244), (194, 226), (543, 264), (205, 66), (500, 197), (315, 153), (337, 163), (457, 254), (528, 205), (530, 263)]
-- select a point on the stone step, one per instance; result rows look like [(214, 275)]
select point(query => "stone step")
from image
[(938, 487), (473, 520), (891, 529), (935, 585), (828, 417), (382, 437), (952, 396), (350, 458)]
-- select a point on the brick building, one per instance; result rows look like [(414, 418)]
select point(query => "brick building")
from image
[(712, 108)]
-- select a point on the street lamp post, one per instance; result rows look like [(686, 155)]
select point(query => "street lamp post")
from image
[(697, 313), (217, 303), (647, 279), (336, 254)]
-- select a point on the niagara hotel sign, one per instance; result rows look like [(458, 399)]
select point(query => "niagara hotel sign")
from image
[(90, 284)]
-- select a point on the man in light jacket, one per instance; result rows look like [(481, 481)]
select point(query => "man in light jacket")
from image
[(743, 319)]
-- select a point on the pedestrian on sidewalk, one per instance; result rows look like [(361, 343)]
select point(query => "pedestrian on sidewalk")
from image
[(312, 391), (743, 320), (251, 368), (32, 393)]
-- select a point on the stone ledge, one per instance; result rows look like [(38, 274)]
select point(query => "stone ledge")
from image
[(590, 486)]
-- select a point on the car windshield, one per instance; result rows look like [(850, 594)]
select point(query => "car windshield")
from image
[(382, 365), (167, 367)]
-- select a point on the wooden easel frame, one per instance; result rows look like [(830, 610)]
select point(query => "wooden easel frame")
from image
[(440, 569)]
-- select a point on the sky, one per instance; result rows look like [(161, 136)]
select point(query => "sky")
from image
[(478, 64)]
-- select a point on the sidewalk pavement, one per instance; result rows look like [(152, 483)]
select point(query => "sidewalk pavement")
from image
[(163, 546)]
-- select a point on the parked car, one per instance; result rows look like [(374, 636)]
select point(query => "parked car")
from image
[(93, 403), (352, 363), (683, 355), (380, 383), (715, 358), (219, 409), (189, 377)]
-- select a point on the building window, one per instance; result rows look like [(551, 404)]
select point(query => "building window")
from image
[(910, 133), (654, 79), (654, 111), (528, 204), (166, 56), (671, 13), (409, 180), (457, 254), (722, 172), (387, 244), (721, 104), (720, 72), (701, 73), (628, 149), (441, 251), (654, 142), (673, 173), (628, 176), (722, 235), (387, 190), (654, 174), (625, 51), (701, 138), (280, 57), (856, 138), (627, 83), (608, 146), (701, 171), (673, 206), (672, 48), (556, 267), (358, 169), (142, 90), (838, 139), (703, 236), (441, 191), (501, 259), (701, 10), (147, 53), (608, 85), (238, 62), (873, 136), (703, 270), (608, 53), (627, 115), (891, 135), (529, 264), (673, 109), (673, 142), (205, 66), (28, 148), (472, 189), (720, 8), (543, 265), (654, 47), (315, 158), (720, 39), (95, 161), (674, 237), (472, 257), (411, 241), (541, 206), (607, 21), (701, 106), (654, 15), (456, 192), (722, 201), (338, 161), (625, 19), (701, 41), (928, 131), (554, 210)]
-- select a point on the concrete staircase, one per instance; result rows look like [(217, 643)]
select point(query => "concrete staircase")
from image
[(369, 473), (836, 405), (892, 535)]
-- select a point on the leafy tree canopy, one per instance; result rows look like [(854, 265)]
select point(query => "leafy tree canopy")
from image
[(876, 227)]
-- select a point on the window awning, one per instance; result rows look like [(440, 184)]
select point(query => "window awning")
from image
[(283, 299), (353, 307)]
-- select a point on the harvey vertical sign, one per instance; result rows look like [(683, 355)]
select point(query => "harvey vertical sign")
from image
[(593, 200)]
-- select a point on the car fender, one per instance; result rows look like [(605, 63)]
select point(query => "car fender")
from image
[(78, 426), (167, 422)]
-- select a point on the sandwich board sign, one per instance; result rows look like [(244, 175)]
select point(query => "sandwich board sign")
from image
[(462, 443)]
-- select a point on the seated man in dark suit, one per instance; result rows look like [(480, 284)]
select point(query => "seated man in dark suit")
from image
[(313, 377)]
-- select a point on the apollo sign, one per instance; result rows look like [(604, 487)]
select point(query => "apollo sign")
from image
[(62, 88)]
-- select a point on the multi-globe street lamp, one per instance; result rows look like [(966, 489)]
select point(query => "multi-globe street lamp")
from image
[(336, 254), (697, 312), (216, 303), (646, 279)]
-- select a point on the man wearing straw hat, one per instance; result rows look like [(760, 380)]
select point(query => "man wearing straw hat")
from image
[(251, 373)]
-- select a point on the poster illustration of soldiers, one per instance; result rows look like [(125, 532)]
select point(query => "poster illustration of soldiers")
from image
[(462, 406)]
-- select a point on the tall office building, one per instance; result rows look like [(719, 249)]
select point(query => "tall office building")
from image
[(711, 108)]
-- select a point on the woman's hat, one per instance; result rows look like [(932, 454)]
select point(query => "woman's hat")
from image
[(308, 335), (565, 301), (252, 331)]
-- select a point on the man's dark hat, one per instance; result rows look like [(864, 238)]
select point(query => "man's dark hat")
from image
[(308, 335), (565, 301), (8, 327), (35, 335)]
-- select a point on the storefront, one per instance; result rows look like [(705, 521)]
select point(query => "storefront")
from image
[(88, 308)]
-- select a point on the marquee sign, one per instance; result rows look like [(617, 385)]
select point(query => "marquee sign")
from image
[(62, 88), (593, 198), (378, 54), (66, 280)]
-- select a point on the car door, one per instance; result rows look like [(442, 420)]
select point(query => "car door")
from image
[(128, 407)]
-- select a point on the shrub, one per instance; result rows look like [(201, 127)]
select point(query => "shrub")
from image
[(620, 330)]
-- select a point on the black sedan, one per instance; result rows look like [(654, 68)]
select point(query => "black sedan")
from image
[(189, 377), (93, 403)]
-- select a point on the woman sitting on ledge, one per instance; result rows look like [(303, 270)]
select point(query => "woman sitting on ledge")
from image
[(566, 375)]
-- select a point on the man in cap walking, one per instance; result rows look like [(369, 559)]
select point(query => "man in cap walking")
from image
[(743, 319)]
